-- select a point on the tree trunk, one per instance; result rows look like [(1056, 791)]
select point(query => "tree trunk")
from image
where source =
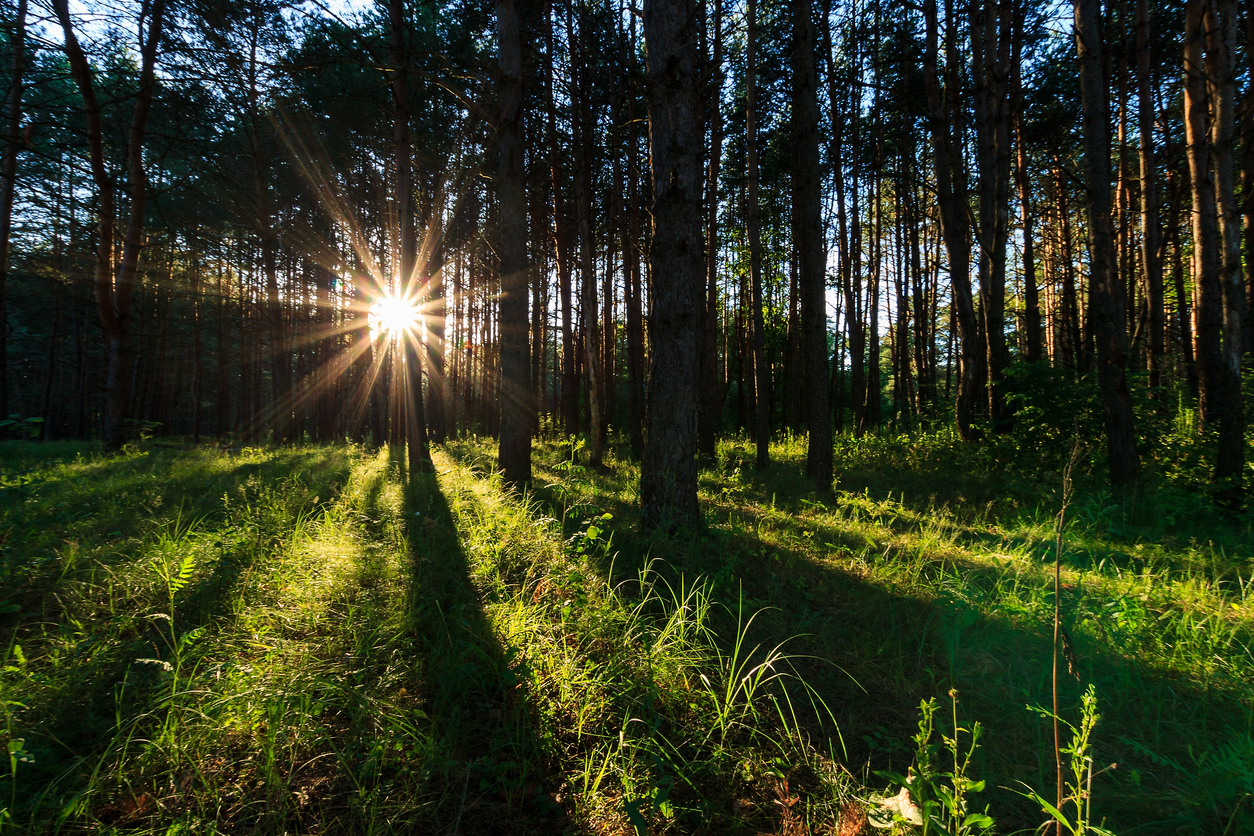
[(588, 308), (561, 247), (761, 374), (810, 246), (1150, 246), (1031, 301), (1105, 290), (874, 386), (668, 473), (197, 394), (1247, 186), (406, 377), (516, 396), (991, 28), (1208, 313), (711, 380), (115, 289), (848, 243), (432, 272), (1225, 397), (635, 287), (8, 181), (945, 124)]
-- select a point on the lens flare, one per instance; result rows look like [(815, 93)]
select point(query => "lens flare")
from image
[(392, 316)]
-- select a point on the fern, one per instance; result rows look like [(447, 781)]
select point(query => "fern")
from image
[(179, 579)]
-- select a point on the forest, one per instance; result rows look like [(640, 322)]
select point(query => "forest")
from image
[(627, 416)]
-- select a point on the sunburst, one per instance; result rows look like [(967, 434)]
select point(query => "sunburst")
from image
[(393, 316)]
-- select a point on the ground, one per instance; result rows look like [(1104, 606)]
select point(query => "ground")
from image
[(307, 640)]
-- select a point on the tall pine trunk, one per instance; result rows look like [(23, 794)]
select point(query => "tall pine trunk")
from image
[(8, 182), (810, 245), (635, 287), (516, 394), (761, 374), (1105, 290), (711, 380), (581, 93), (991, 25), (1225, 395), (1151, 258), (945, 123), (668, 472), (406, 378), (1031, 299)]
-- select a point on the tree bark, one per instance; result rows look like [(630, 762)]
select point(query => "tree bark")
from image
[(761, 374), (561, 247), (517, 405), (635, 287), (991, 28), (810, 246), (407, 376), (8, 182), (1246, 117), (711, 379), (588, 308), (1225, 397), (847, 241), (1031, 299), (115, 289), (668, 473), (1105, 290), (1151, 259), (945, 123), (432, 275)]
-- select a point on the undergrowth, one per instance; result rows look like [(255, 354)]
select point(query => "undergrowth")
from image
[(308, 640)]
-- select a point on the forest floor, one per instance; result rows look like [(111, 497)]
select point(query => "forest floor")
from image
[(306, 640)]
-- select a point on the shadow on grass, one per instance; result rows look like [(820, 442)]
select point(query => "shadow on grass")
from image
[(882, 645), (489, 762), (96, 639)]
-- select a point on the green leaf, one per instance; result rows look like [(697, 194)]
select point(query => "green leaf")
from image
[(631, 806), (184, 574)]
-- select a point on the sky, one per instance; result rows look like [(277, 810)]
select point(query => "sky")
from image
[(90, 14)]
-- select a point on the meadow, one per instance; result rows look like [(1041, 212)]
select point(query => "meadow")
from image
[(311, 640)]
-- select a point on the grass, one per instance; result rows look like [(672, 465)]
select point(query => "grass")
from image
[(306, 640)]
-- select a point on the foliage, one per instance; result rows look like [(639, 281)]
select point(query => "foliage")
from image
[(1076, 811), (936, 799), (307, 639)]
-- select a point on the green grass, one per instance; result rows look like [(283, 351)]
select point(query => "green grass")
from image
[(305, 640)]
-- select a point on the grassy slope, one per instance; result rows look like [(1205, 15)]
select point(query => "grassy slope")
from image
[(285, 641)]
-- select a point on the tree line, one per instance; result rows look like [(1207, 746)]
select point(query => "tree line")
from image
[(669, 220)]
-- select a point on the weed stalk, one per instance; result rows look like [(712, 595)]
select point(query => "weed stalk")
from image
[(1067, 490)]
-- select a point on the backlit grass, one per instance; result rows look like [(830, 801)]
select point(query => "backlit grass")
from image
[(306, 640)]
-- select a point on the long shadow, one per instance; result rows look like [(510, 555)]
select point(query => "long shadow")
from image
[(407, 715), (491, 765), (69, 719), (879, 651)]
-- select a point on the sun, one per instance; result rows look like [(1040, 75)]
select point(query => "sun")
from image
[(393, 315)]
